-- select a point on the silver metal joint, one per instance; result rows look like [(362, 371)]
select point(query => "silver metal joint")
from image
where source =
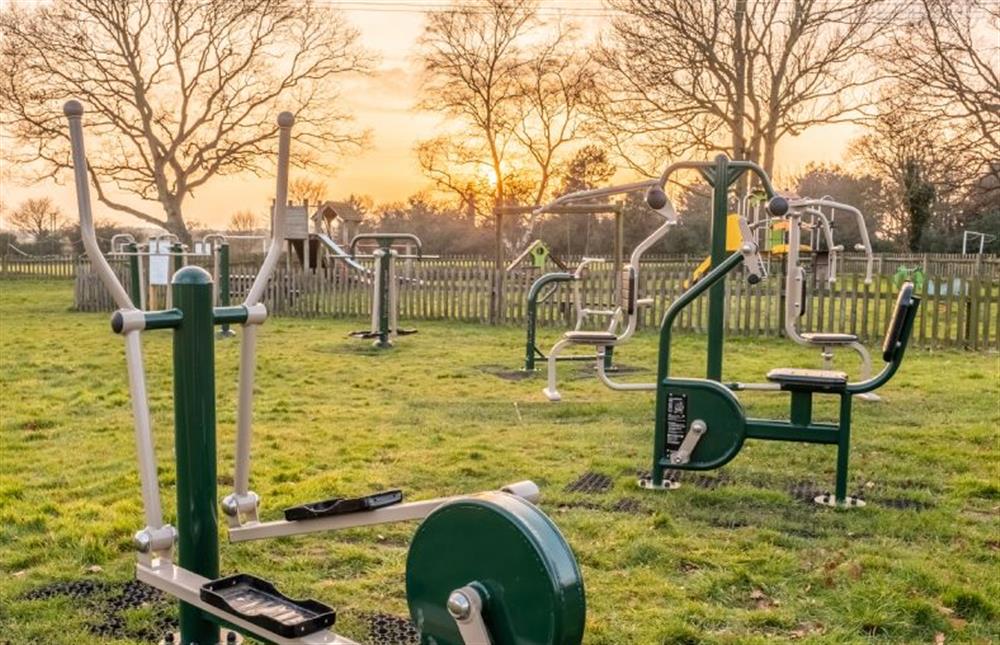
[(459, 605), (149, 540)]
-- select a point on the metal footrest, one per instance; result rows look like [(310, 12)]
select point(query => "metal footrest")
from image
[(342, 506), (257, 601)]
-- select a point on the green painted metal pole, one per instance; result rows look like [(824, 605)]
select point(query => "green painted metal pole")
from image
[(383, 295), (717, 294), (135, 278), (224, 293), (530, 348), (843, 448), (178, 257), (194, 441)]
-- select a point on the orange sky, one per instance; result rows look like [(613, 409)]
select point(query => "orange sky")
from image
[(383, 103)]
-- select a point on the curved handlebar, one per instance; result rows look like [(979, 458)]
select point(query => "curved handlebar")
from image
[(865, 246), (123, 238), (385, 240), (74, 115), (285, 122)]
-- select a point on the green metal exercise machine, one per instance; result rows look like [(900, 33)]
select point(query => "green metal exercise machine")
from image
[(385, 284), (482, 568), (541, 290), (701, 425)]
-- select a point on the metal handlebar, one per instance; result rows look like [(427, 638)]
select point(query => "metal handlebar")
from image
[(385, 240), (74, 115), (865, 246), (285, 122)]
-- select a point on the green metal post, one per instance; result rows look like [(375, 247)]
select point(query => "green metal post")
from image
[(717, 294), (843, 448), (178, 257), (194, 441), (226, 332), (802, 404), (135, 278), (383, 303)]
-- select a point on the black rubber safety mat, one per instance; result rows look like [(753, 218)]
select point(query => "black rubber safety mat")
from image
[(590, 483), (630, 506), (386, 629), (694, 478), (505, 373), (106, 604)]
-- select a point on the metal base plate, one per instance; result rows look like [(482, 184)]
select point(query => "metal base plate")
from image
[(646, 483), (849, 502)]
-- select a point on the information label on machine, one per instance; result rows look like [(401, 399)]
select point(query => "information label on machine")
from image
[(159, 265), (677, 423)]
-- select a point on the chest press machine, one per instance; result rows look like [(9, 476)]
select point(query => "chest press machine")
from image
[(701, 425), (625, 317)]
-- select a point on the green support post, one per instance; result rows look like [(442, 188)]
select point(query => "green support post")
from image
[(178, 258), (135, 277), (224, 295), (384, 300), (194, 439), (843, 448), (717, 294)]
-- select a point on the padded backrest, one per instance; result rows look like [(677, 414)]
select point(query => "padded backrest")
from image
[(628, 289), (906, 304)]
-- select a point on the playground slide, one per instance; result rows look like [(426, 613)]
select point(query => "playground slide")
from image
[(339, 252)]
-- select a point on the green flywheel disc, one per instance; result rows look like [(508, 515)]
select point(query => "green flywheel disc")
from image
[(513, 555)]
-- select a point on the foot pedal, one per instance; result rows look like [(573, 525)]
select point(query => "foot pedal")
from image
[(341, 505), (257, 601)]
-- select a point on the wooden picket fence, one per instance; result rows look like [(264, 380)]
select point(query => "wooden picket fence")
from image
[(47, 267), (960, 308)]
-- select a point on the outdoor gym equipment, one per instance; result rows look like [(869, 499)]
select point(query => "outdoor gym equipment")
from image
[(627, 311), (141, 274), (700, 424), (487, 568), (541, 290), (385, 285), (795, 277)]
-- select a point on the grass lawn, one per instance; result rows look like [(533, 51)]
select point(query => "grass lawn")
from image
[(732, 557)]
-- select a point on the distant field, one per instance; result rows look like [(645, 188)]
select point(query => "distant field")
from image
[(732, 557)]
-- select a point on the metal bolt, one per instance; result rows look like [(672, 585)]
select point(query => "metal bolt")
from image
[(698, 426), (142, 541), (459, 605)]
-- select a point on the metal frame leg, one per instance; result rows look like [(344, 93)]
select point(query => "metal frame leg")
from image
[(551, 392), (840, 498)]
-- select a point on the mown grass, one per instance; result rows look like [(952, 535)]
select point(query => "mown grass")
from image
[(743, 562)]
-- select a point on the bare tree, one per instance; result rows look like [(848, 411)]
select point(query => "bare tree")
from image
[(949, 57), (242, 222), (515, 84), (917, 158), (38, 217), (304, 189), (735, 76), (177, 91)]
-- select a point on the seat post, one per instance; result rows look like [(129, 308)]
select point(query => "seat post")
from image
[(802, 405), (843, 448)]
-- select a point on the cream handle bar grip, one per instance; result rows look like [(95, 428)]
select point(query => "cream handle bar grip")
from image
[(155, 536)]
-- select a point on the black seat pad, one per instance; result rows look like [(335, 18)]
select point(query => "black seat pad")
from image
[(591, 337), (792, 378), (820, 338)]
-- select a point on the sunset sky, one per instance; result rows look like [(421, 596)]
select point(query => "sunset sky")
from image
[(384, 104)]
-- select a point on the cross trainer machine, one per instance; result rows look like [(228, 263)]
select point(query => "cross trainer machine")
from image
[(484, 568), (541, 290), (625, 317), (385, 284)]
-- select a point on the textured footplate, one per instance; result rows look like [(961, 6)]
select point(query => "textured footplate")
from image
[(257, 601), (341, 505)]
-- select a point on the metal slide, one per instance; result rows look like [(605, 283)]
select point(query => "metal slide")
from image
[(339, 252)]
